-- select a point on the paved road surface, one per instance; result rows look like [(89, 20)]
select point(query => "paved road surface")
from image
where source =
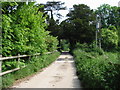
[(60, 74)]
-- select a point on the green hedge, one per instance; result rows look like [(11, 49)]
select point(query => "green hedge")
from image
[(35, 64), (95, 70), (24, 30)]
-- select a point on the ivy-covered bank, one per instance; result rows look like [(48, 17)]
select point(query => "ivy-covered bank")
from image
[(23, 32)]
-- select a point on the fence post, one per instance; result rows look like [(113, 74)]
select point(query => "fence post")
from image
[(29, 58), (35, 56), (0, 72), (18, 61)]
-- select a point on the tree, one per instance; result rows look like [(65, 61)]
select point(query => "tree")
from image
[(109, 38), (53, 27), (81, 11), (109, 15), (79, 26), (54, 6), (24, 31), (8, 7)]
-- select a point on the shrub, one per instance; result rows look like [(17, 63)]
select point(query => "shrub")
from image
[(89, 48), (24, 32), (96, 71), (51, 42), (65, 45), (109, 38)]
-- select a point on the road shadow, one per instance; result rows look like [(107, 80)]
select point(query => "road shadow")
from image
[(65, 58), (60, 59), (65, 53)]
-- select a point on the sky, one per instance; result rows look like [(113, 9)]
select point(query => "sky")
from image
[(93, 4)]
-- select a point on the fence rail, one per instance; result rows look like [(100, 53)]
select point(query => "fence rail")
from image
[(12, 70), (20, 56), (17, 57), (111, 63)]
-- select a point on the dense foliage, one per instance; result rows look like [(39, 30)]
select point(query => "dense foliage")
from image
[(96, 69), (23, 32), (64, 44), (51, 42), (109, 38), (109, 15), (79, 26)]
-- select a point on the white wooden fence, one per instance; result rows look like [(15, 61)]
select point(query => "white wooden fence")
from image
[(16, 57)]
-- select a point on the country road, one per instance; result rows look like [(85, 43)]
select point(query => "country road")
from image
[(60, 74)]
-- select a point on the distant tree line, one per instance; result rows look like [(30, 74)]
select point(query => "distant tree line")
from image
[(80, 26)]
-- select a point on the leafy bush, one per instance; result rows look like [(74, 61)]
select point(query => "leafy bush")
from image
[(98, 50), (51, 42), (65, 45), (96, 71), (24, 32), (89, 48), (109, 38)]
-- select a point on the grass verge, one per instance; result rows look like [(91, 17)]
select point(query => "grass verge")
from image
[(33, 66)]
